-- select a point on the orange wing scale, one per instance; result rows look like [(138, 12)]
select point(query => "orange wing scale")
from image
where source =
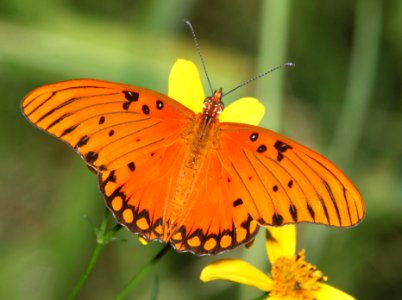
[(215, 219), (285, 182), (109, 124), (137, 141)]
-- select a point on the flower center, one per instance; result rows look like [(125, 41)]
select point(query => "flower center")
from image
[(294, 278)]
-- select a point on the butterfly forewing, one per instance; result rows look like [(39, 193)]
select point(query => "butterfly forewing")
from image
[(109, 124), (285, 182)]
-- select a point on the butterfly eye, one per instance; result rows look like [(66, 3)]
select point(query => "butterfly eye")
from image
[(207, 103), (222, 106), (207, 100)]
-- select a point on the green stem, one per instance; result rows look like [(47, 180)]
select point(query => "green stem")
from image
[(362, 72), (137, 277), (84, 276), (273, 43), (103, 237)]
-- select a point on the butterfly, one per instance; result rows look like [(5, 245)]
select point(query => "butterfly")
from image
[(185, 178)]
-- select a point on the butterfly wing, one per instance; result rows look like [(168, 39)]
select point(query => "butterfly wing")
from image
[(215, 219), (138, 194), (132, 137), (284, 182), (106, 123)]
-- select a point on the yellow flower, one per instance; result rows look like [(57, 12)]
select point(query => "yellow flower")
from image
[(185, 86), (291, 276)]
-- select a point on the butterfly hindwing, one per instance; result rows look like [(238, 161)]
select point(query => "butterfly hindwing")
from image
[(137, 193), (215, 219), (284, 182)]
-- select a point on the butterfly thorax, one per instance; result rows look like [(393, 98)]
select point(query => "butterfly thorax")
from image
[(213, 106)]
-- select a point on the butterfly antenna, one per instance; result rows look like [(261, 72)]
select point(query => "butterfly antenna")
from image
[(288, 64), (197, 45)]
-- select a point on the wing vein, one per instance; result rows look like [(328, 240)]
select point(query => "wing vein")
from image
[(312, 185), (136, 149), (258, 176), (245, 186), (72, 100), (347, 204), (127, 135), (40, 105), (327, 187), (293, 178), (332, 173), (273, 175), (69, 114), (65, 89)]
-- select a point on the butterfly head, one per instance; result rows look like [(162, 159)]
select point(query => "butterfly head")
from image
[(213, 105)]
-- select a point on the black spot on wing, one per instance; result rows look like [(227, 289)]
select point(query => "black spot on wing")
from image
[(82, 142), (131, 96), (277, 219), (331, 195), (254, 136), (262, 149), (131, 166), (293, 212), (311, 211), (237, 202), (325, 208), (145, 109), (281, 146), (91, 157), (58, 120), (159, 104), (69, 130)]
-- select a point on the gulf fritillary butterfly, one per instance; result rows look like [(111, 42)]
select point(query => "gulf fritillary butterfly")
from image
[(175, 176)]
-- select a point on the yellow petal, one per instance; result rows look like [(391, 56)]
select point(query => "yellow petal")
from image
[(185, 85), (328, 292), (281, 241), (238, 271), (142, 240), (246, 110)]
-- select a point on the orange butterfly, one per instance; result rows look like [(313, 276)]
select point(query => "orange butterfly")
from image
[(175, 176)]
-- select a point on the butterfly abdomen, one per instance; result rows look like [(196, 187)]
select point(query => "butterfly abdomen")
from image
[(199, 137)]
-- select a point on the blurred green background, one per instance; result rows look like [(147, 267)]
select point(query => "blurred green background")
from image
[(342, 99)]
